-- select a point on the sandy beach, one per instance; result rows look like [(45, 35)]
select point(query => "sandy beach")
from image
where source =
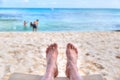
[(99, 52)]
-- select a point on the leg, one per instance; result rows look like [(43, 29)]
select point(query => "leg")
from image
[(36, 29), (71, 68), (33, 29), (51, 56)]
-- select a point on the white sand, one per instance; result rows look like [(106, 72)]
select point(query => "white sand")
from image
[(99, 52)]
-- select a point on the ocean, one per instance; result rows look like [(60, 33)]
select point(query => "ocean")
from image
[(60, 19)]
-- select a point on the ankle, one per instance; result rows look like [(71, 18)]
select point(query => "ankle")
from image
[(51, 69), (48, 76), (73, 68)]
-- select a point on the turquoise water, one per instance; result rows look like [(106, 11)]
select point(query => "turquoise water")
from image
[(58, 19)]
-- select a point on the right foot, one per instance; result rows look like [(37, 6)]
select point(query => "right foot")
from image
[(51, 55), (72, 54)]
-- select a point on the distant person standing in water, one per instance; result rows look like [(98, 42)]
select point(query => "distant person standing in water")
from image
[(34, 25), (25, 24)]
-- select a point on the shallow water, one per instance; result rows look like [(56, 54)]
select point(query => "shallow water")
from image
[(11, 19)]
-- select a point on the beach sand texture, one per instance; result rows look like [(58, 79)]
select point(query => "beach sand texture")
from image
[(99, 52)]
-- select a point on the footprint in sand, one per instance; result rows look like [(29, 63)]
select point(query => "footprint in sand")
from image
[(99, 66), (118, 57)]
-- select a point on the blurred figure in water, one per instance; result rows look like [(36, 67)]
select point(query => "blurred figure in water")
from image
[(25, 24), (34, 25)]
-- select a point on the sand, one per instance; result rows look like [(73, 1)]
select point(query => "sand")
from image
[(99, 52)]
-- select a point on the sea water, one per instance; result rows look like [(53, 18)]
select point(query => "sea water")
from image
[(60, 19)]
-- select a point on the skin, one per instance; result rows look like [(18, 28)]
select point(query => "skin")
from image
[(25, 23), (71, 68), (36, 22), (51, 57)]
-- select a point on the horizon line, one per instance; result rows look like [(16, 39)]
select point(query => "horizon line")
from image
[(60, 7)]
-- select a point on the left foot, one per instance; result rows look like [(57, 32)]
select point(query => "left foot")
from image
[(51, 55)]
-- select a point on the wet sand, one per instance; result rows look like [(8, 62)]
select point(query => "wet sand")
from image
[(99, 52)]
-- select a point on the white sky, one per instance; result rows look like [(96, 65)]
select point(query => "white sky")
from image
[(61, 3)]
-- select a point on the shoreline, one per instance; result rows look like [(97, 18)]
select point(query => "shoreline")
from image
[(24, 52), (59, 31)]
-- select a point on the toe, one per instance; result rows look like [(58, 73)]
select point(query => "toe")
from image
[(69, 45), (55, 45), (49, 48)]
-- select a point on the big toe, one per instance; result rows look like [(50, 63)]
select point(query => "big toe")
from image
[(51, 47), (71, 46), (54, 46)]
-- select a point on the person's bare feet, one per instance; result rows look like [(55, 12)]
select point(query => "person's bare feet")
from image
[(51, 56), (72, 55)]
